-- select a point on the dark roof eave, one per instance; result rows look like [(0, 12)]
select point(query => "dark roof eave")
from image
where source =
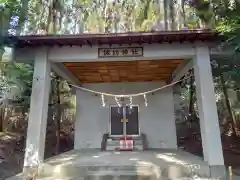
[(116, 38)]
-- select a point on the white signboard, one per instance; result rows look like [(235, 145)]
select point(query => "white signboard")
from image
[(120, 52)]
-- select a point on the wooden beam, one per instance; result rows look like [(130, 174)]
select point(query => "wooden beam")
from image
[(62, 71), (182, 70)]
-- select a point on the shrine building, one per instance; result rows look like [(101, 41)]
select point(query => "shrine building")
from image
[(124, 88)]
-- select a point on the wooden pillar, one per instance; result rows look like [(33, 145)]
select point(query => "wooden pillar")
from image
[(206, 100), (35, 143)]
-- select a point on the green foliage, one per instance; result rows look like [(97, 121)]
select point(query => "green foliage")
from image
[(18, 79), (78, 16)]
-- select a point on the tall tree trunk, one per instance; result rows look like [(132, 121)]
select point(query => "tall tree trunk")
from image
[(1, 49), (226, 4), (238, 95), (49, 18), (172, 14), (39, 19), (58, 115), (23, 16), (224, 89), (54, 22), (105, 8), (161, 7), (58, 108), (115, 19), (2, 108), (60, 20), (191, 104), (183, 13), (1, 118), (166, 14), (2, 33)]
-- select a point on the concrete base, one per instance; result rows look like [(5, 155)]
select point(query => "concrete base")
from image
[(27, 173), (218, 172), (164, 164), (142, 165), (30, 170)]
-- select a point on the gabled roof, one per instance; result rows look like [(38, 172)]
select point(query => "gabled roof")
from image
[(116, 38)]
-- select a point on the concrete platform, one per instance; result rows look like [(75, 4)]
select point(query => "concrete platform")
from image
[(152, 164), (142, 165)]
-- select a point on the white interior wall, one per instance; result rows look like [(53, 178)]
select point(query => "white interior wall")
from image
[(157, 120)]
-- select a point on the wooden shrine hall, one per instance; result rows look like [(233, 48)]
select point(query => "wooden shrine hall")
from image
[(113, 75)]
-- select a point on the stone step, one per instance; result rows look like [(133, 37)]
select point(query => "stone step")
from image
[(131, 177), (114, 144), (106, 177), (121, 177), (61, 171), (67, 170), (128, 168), (60, 178), (118, 141), (138, 142), (134, 138), (136, 177), (138, 147), (116, 148)]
